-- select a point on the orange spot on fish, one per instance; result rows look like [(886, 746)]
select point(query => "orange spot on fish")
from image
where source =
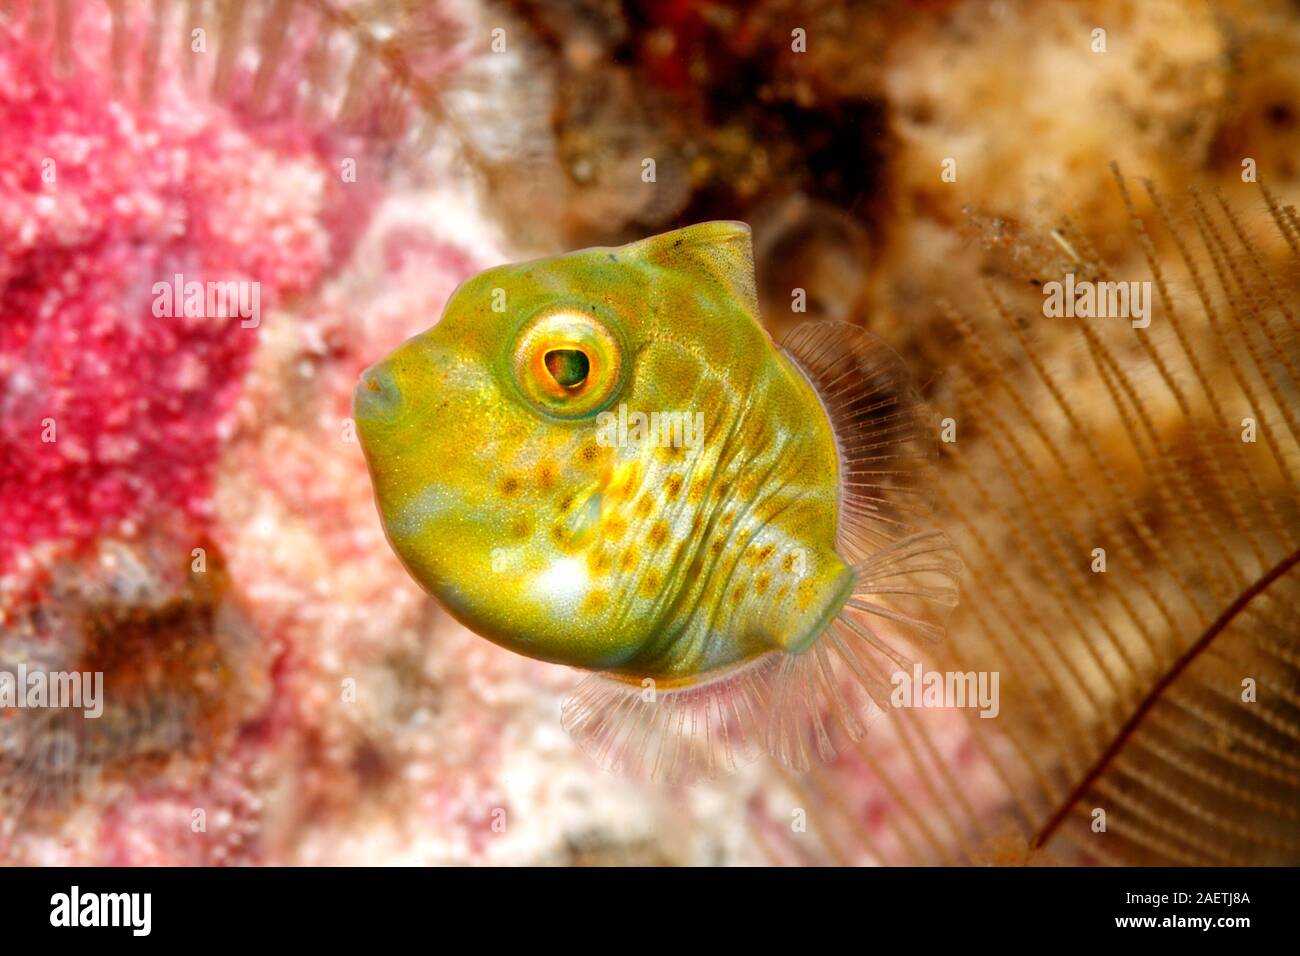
[(651, 583), (599, 561)]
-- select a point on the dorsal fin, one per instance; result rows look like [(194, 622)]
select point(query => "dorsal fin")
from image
[(720, 253)]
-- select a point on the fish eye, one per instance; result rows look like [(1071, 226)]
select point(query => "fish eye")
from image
[(569, 367), (568, 363)]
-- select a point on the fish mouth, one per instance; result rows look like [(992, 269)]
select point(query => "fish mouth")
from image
[(376, 397)]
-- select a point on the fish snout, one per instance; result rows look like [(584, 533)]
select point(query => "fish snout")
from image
[(377, 396)]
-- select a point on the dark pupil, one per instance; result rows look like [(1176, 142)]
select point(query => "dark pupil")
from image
[(569, 367)]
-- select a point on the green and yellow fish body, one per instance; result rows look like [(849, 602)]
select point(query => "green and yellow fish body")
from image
[(601, 460)]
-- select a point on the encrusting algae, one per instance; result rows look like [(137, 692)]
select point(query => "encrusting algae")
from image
[(733, 586)]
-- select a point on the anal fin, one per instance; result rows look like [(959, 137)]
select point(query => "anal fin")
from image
[(788, 706), (674, 735)]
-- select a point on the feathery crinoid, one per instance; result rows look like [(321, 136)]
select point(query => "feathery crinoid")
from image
[(394, 79), (1124, 491)]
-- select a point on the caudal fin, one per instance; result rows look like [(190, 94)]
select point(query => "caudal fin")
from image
[(906, 569), (900, 603)]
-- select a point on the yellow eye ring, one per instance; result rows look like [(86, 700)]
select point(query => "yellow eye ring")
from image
[(568, 363)]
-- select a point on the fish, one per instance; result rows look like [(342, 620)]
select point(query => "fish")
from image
[(602, 460)]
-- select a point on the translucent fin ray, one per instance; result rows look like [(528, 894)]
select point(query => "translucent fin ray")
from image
[(900, 601), (885, 443), (785, 705), (791, 706), (676, 735)]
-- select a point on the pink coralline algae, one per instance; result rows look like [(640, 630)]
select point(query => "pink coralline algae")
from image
[(110, 414), (116, 409)]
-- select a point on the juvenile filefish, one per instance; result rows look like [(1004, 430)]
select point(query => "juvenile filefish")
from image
[(601, 460)]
